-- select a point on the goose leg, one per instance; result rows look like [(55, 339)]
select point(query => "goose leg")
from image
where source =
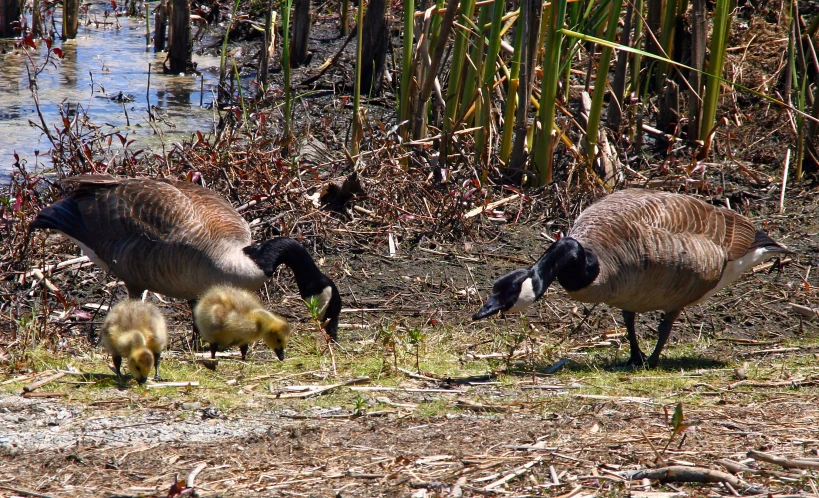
[(117, 366), (195, 338), (637, 357), (663, 331), (156, 366)]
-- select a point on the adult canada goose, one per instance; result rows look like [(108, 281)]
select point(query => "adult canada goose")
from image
[(641, 250), (136, 331), (178, 239), (227, 316)]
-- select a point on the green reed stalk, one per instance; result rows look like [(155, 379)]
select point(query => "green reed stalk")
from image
[(601, 82), (406, 65), (544, 148), (474, 71), (345, 17), (358, 127), (456, 72), (489, 77), (719, 38), (637, 59), (666, 41), (288, 93), (511, 95), (223, 96)]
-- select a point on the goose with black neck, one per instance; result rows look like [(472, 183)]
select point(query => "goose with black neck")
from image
[(639, 251)]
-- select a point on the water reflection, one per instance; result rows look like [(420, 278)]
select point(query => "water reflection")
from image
[(105, 63)]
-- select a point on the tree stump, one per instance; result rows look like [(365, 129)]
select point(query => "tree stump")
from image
[(180, 52), (71, 16), (9, 13), (160, 26), (374, 48), (301, 33)]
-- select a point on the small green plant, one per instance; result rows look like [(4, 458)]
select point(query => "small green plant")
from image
[(416, 338), (360, 405), (315, 309), (388, 338), (678, 423)]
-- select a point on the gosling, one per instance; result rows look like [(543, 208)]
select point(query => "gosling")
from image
[(136, 331), (228, 316)]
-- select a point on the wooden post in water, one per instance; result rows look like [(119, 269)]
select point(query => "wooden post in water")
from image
[(180, 52), (9, 12), (301, 32), (71, 16), (375, 41), (160, 26)]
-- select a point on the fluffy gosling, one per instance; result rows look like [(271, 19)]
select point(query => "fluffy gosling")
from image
[(227, 316), (137, 331)]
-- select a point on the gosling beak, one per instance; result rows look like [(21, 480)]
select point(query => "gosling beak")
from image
[(142, 380), (280, 353), (491, 307)]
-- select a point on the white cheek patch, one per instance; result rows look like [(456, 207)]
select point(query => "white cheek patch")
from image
[(323, 301), (525, 297)]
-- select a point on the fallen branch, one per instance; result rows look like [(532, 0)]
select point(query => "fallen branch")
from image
[(324, 389), (735, 467), (782, 461), (804, 310), (42, 382), (44, 395), (408, 389), (492, 205), (466, 404), (58, 266), (515, 473), (156, 385), (677, 473), (195, 472), (24, 492)]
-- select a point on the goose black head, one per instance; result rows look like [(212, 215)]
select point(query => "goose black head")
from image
[(511, 292)]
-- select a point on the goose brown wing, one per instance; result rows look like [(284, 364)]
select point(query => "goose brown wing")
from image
[(728, 231), (173, 212), (659, 250), (167, 236)]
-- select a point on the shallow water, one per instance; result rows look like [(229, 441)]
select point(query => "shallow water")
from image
[(115, 59)]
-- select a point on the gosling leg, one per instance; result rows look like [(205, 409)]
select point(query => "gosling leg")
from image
[(156, 366)]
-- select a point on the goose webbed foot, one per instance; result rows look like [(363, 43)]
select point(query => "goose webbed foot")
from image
[(637, 359)]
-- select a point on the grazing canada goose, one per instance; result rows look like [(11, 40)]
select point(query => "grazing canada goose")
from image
[(641, 250), (135, 330), (227, 316), (178, 239)]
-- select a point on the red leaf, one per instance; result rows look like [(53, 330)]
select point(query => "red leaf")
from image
[(29, 40), (58, 52), (114, 4), (48, 42)]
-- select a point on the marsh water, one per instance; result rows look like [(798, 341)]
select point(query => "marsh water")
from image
[(103, 74)]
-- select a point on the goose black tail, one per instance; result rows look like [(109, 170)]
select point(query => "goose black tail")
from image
[(64, 215), (763, 241)]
